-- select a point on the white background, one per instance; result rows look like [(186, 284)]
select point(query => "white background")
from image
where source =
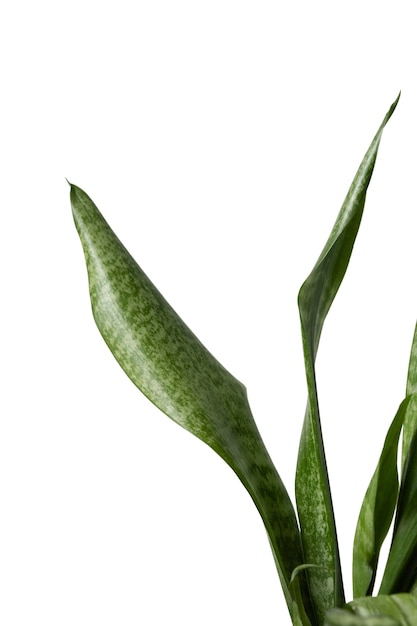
[(219, 139)]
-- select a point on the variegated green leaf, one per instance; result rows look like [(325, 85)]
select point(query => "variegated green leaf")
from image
[(401, 609), (381, 497), (312, 484), (342, 617), (401, 569), (400, 573), (377, 510), (410, 422), (174, 370)]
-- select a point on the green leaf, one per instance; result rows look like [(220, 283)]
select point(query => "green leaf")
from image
[(340, 617), (410, 423), (381, 497), (312, 485), (377, 510), (174, 370), (401, 568), (400, 573), (394, 610)]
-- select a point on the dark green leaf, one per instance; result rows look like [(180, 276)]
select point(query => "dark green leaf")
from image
[(173, 369), (312, 484), (410, 423), (377, 511), (401, 568), (400, 574), (381, 498)]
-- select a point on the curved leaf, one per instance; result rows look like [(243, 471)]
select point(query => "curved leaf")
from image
[(174, 370), (377, 510), (400, 573), (381, 497), (383, 610), (410, 423), (401, 568), (312, 485)]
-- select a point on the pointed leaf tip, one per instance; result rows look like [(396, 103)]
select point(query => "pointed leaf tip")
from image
[(167, 362)]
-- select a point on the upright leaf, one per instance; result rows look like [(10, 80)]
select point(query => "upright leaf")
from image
[(400, 573), (312, 485), (381, 497), (377, 511), (174, 370), (410, 423), (401, 569)]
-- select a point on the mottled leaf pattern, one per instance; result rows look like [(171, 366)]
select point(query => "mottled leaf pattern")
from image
[(410, 422), (377, 510), (401, 568), (312, 484), (395, 610), (166, 361), (172, 368)]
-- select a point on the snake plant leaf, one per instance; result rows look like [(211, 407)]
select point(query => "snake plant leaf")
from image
[(410, 423), (166, 361), (401, 568), (312, 485), (341, 617), (391, 610), (377, 510), (381, 497), (400, 573)]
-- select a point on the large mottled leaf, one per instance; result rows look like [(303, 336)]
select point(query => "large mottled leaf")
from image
[(312, 485), (384, 610), (377, 510), (174, 370)]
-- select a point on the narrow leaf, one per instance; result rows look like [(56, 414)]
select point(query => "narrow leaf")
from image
[(174, 370), (381, 497), (312, 485), (400, 573), (401, 568), (377, 510), (410, 423)]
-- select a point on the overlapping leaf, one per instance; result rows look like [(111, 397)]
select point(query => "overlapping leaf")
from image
[(381, 499), (383, 610), (377, 510), (175, 371), (400, 572), (340, 617), (312, 484), (410, 422)]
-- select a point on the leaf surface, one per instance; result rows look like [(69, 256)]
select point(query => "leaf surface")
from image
[(377, 510), (401, 568), (312, 485), (400, 571), (410, 422), (167, 362), (392, 610)]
